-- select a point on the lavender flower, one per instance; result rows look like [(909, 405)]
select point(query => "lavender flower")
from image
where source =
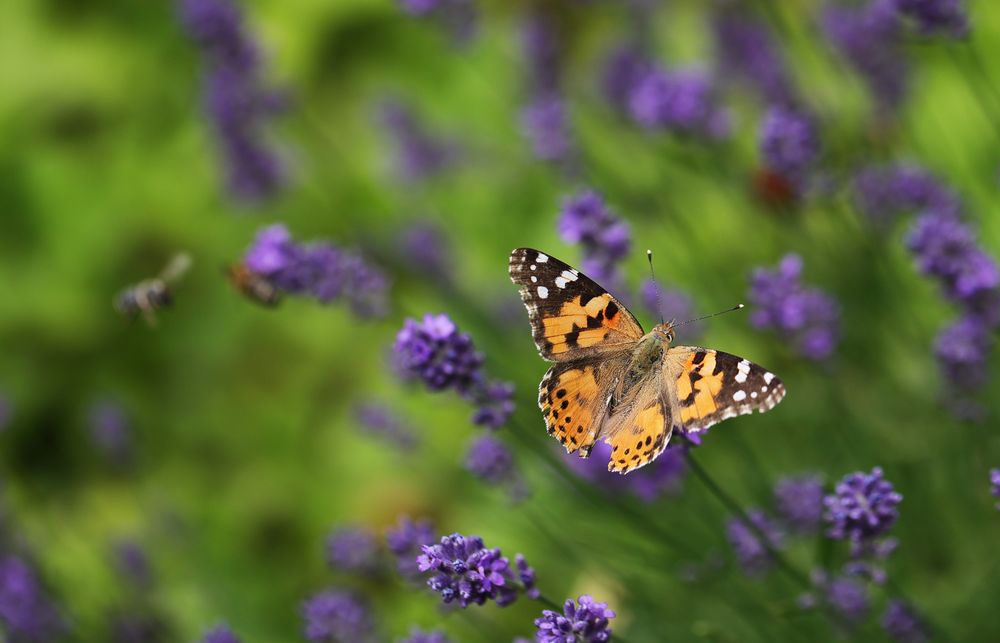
[(494, 403), (319, 270), (903, 624), (26, 612), (869, 38), (420, 154), (995, 484), (377, 419), (236, 100), (545, 121), (526, 574), (799, 501), (435, 352), (946, 248), (754, 557), (789, 144), (862, 507), (937, 17), (746, 50), (352, 549), (406, 541), (624, 69), (963, 350), (132, 563), (489, 459), (678, 101), (662, 476), (606, 240), (220, 634), (807, 316), (336, 617), (585, 621), (110, 431), (418, 636), (849, 597), (464, 570), (882, 192)]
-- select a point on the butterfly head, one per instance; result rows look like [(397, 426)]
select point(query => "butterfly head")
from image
[(664, 332)]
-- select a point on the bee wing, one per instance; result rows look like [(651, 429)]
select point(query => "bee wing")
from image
[(177, 267)]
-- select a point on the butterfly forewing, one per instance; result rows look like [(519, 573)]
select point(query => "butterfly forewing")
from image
[(710, 386), (571, 316)]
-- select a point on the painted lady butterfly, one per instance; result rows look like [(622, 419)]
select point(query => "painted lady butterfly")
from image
[(611, 381)]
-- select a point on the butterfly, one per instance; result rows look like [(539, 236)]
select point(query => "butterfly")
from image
[(613, 382)]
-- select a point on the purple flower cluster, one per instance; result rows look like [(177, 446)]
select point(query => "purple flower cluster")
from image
[(881, 193), (463, 569), (745, 50), (862, 507), (27, 613), (494, 403), (406, 540), (848, 597), (606, 239), (662, 476), (334, 616), (946, 249), (220, 634), (545, 117), (489, 459), (681, 101), (807, 316), (903, 624), (236, 100), (319, 269), (937, 17), (352, 549), (378, 420), (435, 352), (753, 555), (418, 636), (419, 154), (799, 502), (789, 144), (581, 621), (995, 484), (869, 37), (623, 69)]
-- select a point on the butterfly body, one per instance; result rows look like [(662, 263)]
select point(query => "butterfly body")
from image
[(614, 382)]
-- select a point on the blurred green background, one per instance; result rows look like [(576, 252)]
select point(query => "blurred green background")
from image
[(246, 451)]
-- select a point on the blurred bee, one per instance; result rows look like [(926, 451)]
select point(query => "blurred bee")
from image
[(253, 286), (150, 295)]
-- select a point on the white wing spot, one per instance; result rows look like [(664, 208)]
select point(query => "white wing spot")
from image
[(560, 282), (768, 377), (569, 275), (534, 279), (534, 267), (739, 396), (763, 389), (541, 258), (543, 292), (743, 369), (753, 396)]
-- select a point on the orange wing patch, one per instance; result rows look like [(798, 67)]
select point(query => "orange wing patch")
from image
[(584, 325), (569, 398), (642, 437), (698, 386)]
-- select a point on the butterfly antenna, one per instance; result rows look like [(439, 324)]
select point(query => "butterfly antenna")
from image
[(721, 312), (652, 275)]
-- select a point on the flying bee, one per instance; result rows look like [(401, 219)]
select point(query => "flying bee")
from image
[(253, 286), (150, 295)]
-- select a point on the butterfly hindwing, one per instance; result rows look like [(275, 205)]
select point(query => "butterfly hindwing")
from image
[(638, 432), (572, 399), (571, 316), (711, 386)]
